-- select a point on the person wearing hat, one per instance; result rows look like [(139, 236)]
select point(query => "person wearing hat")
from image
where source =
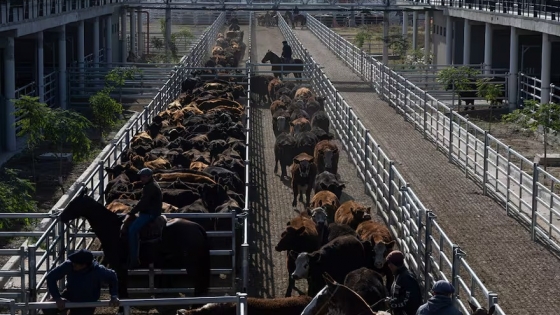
[(405, 291), (287, 52), (84, 277), (441, 302), (148, 208), (296, 10)]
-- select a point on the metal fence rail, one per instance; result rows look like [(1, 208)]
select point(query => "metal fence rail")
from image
[(54, 238), (430, 252), (526, 189)]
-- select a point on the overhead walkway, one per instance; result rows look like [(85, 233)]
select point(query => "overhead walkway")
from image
[(499, 249)]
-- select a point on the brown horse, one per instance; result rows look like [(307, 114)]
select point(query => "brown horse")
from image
[(278, 70), (183, 245), (299, 18), (336, 298)]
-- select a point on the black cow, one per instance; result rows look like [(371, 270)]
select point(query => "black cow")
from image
[(321, 119), (306, 142), (329, 181), (284, 152)]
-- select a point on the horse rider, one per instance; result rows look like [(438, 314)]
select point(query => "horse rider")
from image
[(287, 52), (296, 10), (441, 302), (148, 209), (405, 291), (84, 276)]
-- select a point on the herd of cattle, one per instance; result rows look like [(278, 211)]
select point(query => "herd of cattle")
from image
[(229, 49), (339, 239)]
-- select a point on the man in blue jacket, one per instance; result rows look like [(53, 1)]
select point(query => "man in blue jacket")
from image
[(441, 303), (84, 277)]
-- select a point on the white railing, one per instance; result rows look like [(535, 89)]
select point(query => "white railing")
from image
[(55, 239), (429, 251), (526, 189)]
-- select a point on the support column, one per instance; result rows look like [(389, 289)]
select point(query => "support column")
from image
[(467, 42), (96, 42), (167, 33), (449, 40), (140, 30), (488, 48), (40, 67), (81, 53), (385, 37), (124, 52), (109, 39), (133, 32), (10, 93), (414, 30), (513, 67), (62, 67), (405, 24), (427, 30), (545, 69)]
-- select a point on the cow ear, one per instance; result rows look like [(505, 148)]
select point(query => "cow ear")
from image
[(492, 309), (472, 306), (333, 203), (300, 230), (293, 254), (368, 210), (390, 245), (296, 161), (352, 210), (311, 160), (320, 203), (314, 257), (342, 186)]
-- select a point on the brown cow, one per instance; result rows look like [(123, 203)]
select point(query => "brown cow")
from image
[(300, 236), (326, 156), (352, 214), (300, 125), (141, 139), (158, 164), (276, 105), (273, 86), (304, 171), (303, 93), (328, 201), (198, 166)]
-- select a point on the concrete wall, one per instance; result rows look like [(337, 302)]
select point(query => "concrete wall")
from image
[(438, 37)]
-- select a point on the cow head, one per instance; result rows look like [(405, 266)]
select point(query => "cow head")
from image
[(328, 157), (319, 216), (381, 250), (304, 167), (361, 214), (481, 310), (288, 238), (298, 127), (281, 123), (304, 264)]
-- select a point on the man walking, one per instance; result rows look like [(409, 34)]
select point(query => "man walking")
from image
[(405, 292), (84, 277), (441, 302), (148, 208)]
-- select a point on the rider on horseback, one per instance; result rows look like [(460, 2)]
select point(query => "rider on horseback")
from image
[(287, 52), (296, 10)]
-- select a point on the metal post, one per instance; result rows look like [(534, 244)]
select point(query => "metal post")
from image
[(390, 183), (32, 290), (513, 68), (545, 68), (450, 154), (101, 182), (428, 252), (534, 201), (456, 267), (485, 169)]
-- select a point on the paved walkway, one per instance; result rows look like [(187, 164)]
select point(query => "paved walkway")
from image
[(523, 273)]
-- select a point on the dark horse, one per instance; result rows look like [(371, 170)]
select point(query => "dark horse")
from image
[(183, 245), (296, 68), (299, 18)]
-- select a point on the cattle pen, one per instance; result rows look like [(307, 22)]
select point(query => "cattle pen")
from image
[(254, 269)]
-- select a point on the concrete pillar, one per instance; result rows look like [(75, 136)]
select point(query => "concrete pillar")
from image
[(167, 32), (352, 20), (140, 30), (449, 40), (133, 33), (385, 37), (62, 67), (10, 93), (109, 39), (96, 42), (488, 48), (405, 24), (81, 53), (513, 67), (414, 30), (40, 67), (545, 69), (427, 30), (467, 42), (124, 52)]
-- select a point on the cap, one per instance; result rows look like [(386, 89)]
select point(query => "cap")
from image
[(83, 257), (443, 287), (145, 171), (396, 258), (284, 42)]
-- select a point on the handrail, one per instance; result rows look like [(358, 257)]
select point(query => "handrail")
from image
[(430, 253)]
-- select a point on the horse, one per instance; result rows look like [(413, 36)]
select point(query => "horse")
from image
[(268, 19), (296, 68), (289, 17), (336, 298), (481, 310), (302, 19), (182, 244)]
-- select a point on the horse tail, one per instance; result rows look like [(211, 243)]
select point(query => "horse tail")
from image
[(203, 267)]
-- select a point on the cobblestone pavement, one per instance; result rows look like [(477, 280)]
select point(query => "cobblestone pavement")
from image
[(271, 198), (523, 273)]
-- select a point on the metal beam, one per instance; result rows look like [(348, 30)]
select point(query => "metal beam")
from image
[(341, 7)]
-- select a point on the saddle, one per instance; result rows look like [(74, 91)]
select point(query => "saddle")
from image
[(153, 231)]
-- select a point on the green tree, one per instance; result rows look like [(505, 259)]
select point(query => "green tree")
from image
[(363, 36), (16, 196), (33, 117), (532, 115)]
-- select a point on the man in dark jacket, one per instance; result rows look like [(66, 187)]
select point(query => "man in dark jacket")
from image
[(148, 208), (441, 302), (405, 292), (287, 52), (84, 279)]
